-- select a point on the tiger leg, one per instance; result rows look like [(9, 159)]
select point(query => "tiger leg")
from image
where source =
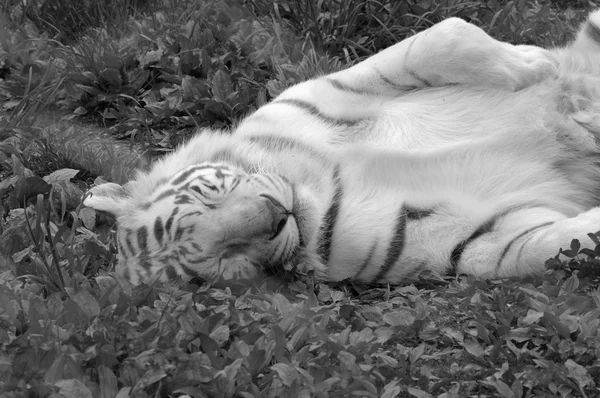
[(520, 242), (451, 52)]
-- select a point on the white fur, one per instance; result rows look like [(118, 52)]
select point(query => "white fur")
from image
[(449, 120)]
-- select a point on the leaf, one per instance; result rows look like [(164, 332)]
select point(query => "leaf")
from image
[(205, 62), (220, 334), (347, 360), (415, 392), (61, 175), (27, 188), (391, 389), (286, 373), (80, 110), (384, 333), (111, 78), (571, 253), (416, 353), (107, 381), (575, 245), (88, 217), (72, 388), (281, 303), (561, 328), (150, 377), (474, 348), (571, 284), (221, 86), (399, 318), (86, 302), (578, 373), (62, 367), (503, 389), (532, 317)]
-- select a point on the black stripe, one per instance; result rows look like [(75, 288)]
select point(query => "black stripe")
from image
[(178, 234), (145, 263), (417, 77), (170, 219), (127, 274), (188, 270), (196, 260), (140, 276), (222, 172), (171, 272), (280, 143), (271, 181), (236, 181), (592, 31), (129, 242), (192, 213), (142, 239), (183, 199), (410, 45), (395, 247), (417, 214), (121, 248), (393, 84), (159, 230), (185, 174), (330, 218), (168, 192), (509, 245), (458, 250), (301, 239), (367, 261), (408, 70), (344, 87), (275, 183), (313, 110)]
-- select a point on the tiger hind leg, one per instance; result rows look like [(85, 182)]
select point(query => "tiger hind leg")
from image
[(451, 52)]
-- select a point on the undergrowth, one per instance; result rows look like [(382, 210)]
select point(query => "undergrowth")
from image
[(75, 76)]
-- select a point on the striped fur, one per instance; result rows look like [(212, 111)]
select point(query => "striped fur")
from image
[(449, 151)]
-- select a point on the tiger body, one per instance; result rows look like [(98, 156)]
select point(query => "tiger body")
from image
[(434, 154)]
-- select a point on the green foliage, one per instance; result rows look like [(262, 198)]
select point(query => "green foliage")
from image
[(66, 20), (72, 327), (359, 28), (501, 338)]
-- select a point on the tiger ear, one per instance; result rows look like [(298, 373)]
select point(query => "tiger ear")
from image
[(109, 197)]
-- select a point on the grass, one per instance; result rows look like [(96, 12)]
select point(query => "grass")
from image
[(71, 327)]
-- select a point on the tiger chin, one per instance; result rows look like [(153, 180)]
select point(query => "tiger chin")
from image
[(449, 151)]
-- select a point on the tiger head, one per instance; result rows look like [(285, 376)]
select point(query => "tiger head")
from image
[(208, 220)]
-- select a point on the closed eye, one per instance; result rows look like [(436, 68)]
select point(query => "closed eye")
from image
[(279, 228)]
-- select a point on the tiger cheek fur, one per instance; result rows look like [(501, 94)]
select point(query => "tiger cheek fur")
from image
[(449, 152)]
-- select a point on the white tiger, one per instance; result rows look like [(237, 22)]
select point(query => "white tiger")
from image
[(449, 151)]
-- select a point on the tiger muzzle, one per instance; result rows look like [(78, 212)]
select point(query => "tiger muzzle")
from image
[(278, 213)]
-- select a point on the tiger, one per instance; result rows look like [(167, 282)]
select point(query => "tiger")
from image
[(449, 152)]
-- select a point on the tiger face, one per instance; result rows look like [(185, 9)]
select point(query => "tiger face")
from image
[(212, 221)]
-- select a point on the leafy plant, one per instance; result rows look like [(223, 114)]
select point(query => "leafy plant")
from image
[(70, 326)]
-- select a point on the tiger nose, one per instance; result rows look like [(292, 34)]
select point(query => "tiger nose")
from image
[(279, 215)]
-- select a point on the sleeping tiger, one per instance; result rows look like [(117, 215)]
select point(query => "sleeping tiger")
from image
[(449, 151)]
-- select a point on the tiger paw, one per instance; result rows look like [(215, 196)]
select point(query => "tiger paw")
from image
[(524, 66)]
